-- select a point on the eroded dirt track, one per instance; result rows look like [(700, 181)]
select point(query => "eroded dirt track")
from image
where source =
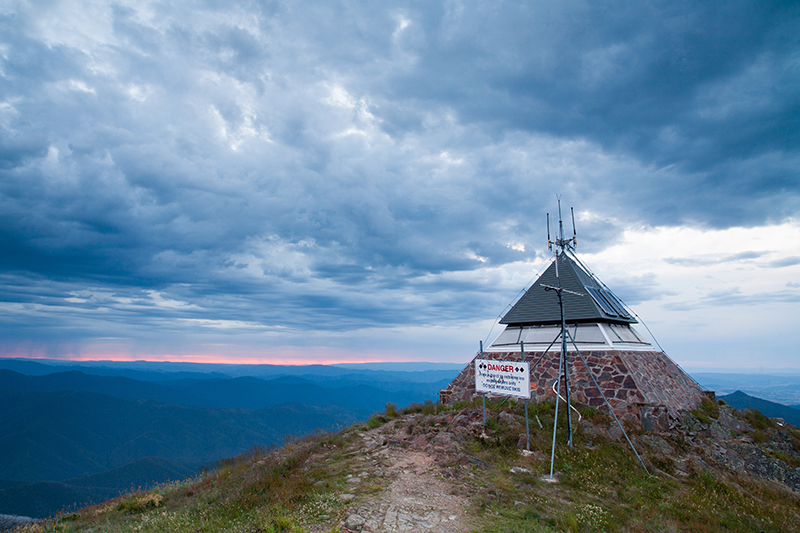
[(417, 493), (417, 498)]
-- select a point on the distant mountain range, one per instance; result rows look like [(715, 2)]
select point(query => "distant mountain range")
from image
[(75, 434), (779, 388), (167, 371), (358, 393), (743, 401)]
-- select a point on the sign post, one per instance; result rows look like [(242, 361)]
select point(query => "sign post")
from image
[(504, 378)]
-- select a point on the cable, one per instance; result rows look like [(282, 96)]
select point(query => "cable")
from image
[(516, 298)]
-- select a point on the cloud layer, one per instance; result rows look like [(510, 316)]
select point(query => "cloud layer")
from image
[(250, 170)]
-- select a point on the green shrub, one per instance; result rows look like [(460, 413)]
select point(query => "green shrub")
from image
[(141, 503), (710, 408), (426, 408), (411, 408), (757, 420), (376, 421), (706, 411), (701, 416)]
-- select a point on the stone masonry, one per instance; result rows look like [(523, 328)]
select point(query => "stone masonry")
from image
[(639, 385)]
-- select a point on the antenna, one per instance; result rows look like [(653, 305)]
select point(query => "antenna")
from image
[(559, 241), (574, 233)]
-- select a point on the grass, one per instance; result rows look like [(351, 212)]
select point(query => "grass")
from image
[(757, 420), (601, 487), (706, 411)]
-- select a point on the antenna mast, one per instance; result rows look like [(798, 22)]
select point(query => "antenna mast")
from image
[(561, 246)]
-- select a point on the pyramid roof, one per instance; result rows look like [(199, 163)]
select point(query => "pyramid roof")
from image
[(589, 300)]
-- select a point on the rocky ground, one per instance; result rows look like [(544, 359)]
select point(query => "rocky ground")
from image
[(428, 476), (714, 469), (412, 460)]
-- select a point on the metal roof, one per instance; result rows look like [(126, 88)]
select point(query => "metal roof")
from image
[(593, 303)]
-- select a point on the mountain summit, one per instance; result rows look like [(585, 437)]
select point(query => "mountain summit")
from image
[(434, 469)]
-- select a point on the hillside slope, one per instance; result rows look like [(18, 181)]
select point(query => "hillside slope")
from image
[(61, 435), (422, 470), (45, 498)]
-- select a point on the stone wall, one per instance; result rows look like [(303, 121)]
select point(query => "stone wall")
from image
[(637, 385)]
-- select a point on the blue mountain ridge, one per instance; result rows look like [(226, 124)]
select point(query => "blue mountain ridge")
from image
[(71, 437), (742, 401)]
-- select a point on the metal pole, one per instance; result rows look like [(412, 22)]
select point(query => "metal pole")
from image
[(555, 422), (566, 366), (564, 359), (527, 423), (527, 428), (484, 396)]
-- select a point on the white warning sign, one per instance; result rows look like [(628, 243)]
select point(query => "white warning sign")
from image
[(508, 378)]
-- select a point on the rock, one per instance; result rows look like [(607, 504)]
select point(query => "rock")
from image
[(728, 419), (420, 441), (476, 461), (717, 431), (700, 465), (658, 445), (346, 497), (519, 470), (592, 431), (537, 455), (354, 522), (508, 418)]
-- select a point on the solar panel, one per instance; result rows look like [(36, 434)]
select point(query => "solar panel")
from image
[(600, 300), (615, 303)]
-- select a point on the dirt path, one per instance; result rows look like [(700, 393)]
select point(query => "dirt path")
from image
[(416, 498)]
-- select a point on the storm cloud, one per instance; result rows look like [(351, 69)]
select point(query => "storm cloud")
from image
[(170, 169)]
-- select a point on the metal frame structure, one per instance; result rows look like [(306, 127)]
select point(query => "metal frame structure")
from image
[(560, 246)]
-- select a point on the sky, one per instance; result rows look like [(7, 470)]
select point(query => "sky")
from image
[(332, 181)]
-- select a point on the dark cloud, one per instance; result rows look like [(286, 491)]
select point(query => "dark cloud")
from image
[(341, 166), (709, 89)]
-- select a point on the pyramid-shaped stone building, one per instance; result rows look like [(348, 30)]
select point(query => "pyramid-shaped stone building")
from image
[(639, 381)]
